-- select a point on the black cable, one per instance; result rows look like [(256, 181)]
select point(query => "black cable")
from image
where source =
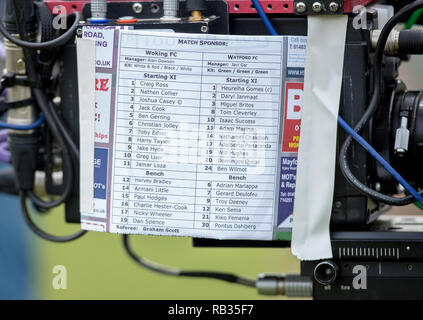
[(45, 22), (374, 104), (42, 101), (63, 130), (228, 277), (68, 172), (34, 228), (47, 44), (47, 33)]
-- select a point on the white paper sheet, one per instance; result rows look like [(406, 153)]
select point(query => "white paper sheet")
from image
[(317, 148), (174, 98)]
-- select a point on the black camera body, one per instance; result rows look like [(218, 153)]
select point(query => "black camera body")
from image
[(386, 248), (354, 214)]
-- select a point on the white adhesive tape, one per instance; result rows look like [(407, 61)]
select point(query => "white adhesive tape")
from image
[(317, 148), (86, 92)]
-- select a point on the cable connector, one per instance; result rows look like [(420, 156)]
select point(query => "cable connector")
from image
[(290, 285), (392, 43), (401, 42), (402, 138)]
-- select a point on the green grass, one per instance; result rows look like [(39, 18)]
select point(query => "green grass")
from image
[(98, 268)]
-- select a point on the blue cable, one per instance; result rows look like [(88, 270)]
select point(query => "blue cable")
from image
[(347, 128), (264, 17), (5, 125), (98, 21), (379, 159)]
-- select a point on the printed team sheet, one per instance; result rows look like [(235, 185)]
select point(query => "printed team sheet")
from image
[(195, 135)]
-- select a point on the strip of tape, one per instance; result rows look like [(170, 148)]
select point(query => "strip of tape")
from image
[(86, 92), (317, 149)]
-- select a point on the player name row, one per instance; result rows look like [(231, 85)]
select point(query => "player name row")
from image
[(267, 126), (160, 218), (177, 109), (188, 192), (203, 202), (189, 163), (222, 162), (134, 200), (191, 115), (196, 86), (190, 98), (224, 185), (182, 138), (174, 160), (177, 208), (203, 148)]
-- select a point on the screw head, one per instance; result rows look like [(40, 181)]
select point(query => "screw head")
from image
[(317, 7), (301, 7), (204, 28), (137, 7), (333, 7)]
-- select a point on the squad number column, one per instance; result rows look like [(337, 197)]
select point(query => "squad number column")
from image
[(157, 127)]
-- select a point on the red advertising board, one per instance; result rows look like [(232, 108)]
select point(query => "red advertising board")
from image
[(292, 116)]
